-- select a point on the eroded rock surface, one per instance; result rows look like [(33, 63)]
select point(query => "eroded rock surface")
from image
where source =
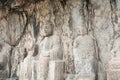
[(74, 39)]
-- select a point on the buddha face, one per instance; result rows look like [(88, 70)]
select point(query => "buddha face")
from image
[(46, 29)]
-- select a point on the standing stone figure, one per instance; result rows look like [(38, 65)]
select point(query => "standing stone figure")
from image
[(49, 48), (84, 57), (25, 65), (50, 44)]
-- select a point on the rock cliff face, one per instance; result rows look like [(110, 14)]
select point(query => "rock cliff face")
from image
[(58, 39)]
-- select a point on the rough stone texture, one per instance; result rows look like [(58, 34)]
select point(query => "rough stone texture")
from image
[(56, 70), (85, 77), (83, 50), (83, 33), (113, 72)]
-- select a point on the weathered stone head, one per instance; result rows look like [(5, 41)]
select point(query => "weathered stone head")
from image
[(46, 29)]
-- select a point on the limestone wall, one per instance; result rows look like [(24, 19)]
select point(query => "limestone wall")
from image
[(58, 39)]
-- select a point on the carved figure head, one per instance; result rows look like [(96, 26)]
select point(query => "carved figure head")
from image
[(46, 29)]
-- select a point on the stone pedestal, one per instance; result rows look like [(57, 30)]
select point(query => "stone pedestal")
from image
[(70, 76), (113, 72), (56, 70), (85, 77), (80, 77)]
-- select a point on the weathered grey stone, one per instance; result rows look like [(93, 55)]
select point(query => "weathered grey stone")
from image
[(4, 60), (50, 46), (84, 33), (84, 54), (85, 77), (81, 77), (78, 20), (56, 70), (104, 32), (42, 68), (113, 71), (70, 76), (115, 50), (12, 79)]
